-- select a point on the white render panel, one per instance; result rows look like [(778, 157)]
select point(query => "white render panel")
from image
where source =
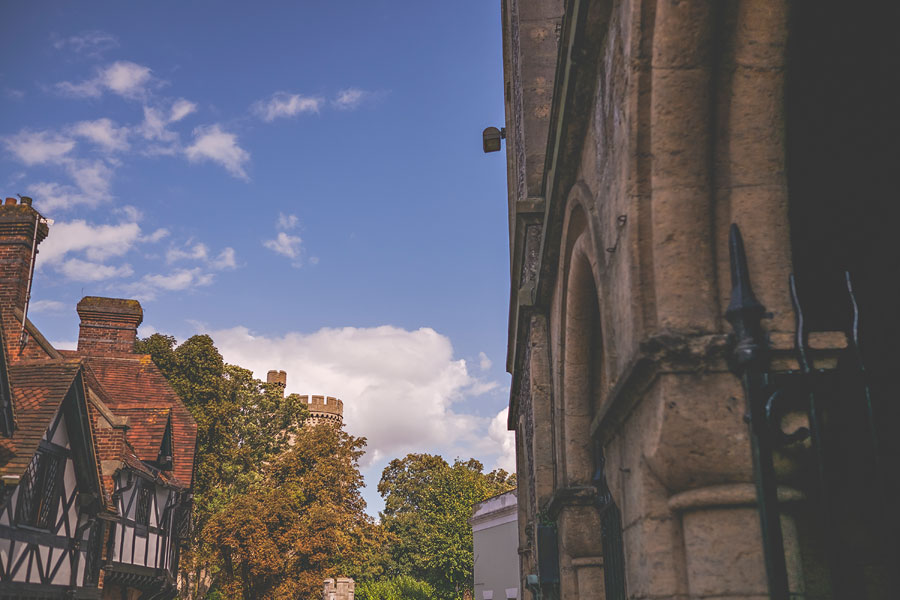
[(18, 549), (44, 552), (127, 538), (140, 546), (61, 436), (63, 576)]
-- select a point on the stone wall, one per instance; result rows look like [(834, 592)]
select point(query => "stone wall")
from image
[(667, 125)]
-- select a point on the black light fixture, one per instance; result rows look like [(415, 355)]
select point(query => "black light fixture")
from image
[(490, 139)]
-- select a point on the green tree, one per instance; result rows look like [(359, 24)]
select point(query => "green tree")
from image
[(302, 522), (243, 425), (428, 503), (402, 587)]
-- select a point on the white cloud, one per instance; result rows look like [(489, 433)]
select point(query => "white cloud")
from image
[(213, 143), (83, 270), (154, 127), (102, 132), (399, 387), (195, 252), (350, 98), (226, 259), (505, 439), (285, 244), (14, 94), (286, 222), (283, 104), (97, 242), (47, 306), (156, 235), (180, 109), (88, 43), (150, 285), (37, 147), (484, 363), (179, 279), (125, 78)]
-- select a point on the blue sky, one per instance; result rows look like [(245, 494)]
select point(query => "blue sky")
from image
[(302, 180)]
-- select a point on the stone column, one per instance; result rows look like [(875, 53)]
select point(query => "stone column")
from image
[(696, 444), (723, 543)]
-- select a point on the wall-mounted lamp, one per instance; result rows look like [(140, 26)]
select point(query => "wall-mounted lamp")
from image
[(490, 139)]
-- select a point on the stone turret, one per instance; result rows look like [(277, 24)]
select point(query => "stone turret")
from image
[(279, 377), (324, 409)]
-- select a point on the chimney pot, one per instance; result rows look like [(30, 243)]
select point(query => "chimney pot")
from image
[(10, 200), (26, 200)]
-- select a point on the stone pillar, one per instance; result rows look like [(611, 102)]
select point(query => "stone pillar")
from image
[(681, 216), (723, 542), (696, 444), (751, 178)]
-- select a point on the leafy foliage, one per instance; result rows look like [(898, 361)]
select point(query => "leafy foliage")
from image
[(302, 522), (402, 587), (277, 507), (428, 503)]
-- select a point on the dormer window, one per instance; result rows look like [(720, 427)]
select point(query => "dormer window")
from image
[(39, 491)]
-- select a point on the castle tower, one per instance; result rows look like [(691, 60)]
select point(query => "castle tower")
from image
[(279, 377), (322, 409)]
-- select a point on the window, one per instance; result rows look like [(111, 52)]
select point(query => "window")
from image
[(144, 504), (39, 491)]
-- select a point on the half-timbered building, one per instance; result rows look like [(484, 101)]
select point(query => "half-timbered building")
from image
[(150, 473), (96, 449)]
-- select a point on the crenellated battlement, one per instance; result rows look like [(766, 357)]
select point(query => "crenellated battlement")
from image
[(323, 409)]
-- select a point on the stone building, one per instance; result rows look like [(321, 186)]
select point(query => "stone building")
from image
[(322, 409), (637, 133)]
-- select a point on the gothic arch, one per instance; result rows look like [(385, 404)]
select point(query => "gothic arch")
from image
[(582, 372)]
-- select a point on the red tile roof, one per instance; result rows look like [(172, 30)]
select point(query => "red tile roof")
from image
[(136, 388), (38, 388)]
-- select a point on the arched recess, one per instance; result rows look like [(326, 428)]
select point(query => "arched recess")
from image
[(581, 371), (584, 381)]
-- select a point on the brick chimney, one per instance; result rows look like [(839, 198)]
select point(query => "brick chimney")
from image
[(108, 325), (21, 229)]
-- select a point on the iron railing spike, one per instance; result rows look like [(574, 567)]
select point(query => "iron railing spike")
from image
[(743, 300)]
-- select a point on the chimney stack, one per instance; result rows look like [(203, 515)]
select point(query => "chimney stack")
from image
[(21, 230), (108, 325)]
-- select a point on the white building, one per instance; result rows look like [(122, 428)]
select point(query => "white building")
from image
[(495, 532)]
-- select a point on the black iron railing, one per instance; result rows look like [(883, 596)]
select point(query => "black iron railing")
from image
[(827, 396)]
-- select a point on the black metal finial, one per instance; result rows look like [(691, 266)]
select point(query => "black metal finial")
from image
[(743, 300), (744, 312)]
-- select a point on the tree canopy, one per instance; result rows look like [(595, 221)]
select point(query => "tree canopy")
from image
[(428, 503), (277, 506)]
